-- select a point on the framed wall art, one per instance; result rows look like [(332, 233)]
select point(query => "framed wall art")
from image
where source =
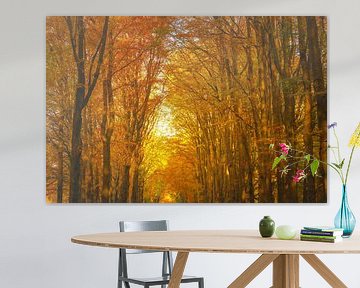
[(184, 109)]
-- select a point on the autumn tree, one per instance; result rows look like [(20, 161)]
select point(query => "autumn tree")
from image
[(86, 81)]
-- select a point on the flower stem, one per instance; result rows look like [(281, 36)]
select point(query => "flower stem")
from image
[(348, 166), (338, 171), (350, 159), (339, 156), (335, 168), (338, 146)]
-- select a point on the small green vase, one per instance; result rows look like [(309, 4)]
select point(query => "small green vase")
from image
[(267, 227)]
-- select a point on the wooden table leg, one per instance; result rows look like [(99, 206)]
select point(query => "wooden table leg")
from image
[(178, 269), (253, 270), (286, 271), (324, 271)]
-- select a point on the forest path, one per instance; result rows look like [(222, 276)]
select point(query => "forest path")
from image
[(170, 161)]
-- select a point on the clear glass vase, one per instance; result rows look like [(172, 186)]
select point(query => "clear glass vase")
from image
[(345, 219)]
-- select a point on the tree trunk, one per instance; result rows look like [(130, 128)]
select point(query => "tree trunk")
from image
[(107, 130), (125, 183), (309, 189), (107, 123), (76, 146), (317, 78), (283, 65), (81, 98), (60, 176)]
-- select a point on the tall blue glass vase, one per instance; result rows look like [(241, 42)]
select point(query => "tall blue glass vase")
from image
[(345, 219)]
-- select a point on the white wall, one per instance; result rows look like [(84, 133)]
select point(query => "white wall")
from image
[(35, 248)]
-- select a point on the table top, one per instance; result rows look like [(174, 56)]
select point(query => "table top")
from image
[(216, 241)]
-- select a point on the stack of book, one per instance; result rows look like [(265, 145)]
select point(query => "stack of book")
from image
[(321, 234)]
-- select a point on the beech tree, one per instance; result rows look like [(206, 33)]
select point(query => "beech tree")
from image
[(84, 88)]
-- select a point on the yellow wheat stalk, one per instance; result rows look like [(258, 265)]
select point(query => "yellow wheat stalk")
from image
[(355, 138)]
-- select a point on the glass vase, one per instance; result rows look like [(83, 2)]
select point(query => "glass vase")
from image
[(345, 219)]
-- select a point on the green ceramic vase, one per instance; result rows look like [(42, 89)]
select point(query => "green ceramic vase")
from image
[(266, 227)]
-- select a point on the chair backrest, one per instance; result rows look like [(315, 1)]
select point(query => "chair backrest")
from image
[(137, 226), (133, 226)]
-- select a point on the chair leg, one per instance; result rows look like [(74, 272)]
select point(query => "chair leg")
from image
[(201, 283)]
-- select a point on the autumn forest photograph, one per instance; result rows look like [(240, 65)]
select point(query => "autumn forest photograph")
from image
[(186, 109)]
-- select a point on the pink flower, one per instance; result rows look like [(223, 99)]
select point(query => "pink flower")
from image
[(284, 148), (299, 175)]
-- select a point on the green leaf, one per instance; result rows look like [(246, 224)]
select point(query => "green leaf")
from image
[(342, 163), (276, 162), (339, 166), (336, 165), (314, 167), (271, 146), (308, 157)]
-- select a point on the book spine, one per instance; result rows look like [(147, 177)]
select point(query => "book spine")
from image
[(318, 236), (319, 233), (317, 239)]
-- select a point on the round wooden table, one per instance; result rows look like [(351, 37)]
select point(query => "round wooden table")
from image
[(284, 254)]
